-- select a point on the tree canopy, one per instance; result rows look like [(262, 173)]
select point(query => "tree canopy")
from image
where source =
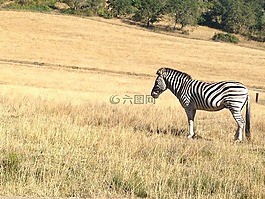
[(245, 17)]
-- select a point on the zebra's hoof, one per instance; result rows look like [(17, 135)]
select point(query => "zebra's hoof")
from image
[(248, 138), (190, 136), (238, 141)]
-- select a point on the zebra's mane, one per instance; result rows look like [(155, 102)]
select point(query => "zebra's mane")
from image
[(178, 72)]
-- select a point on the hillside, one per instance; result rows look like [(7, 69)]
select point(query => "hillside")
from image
[(61, 137), (46, 41)]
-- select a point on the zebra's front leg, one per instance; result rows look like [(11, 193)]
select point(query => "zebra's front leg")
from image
[(191, 114), (191, 129)]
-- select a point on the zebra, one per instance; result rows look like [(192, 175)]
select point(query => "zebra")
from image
[(198, 95)]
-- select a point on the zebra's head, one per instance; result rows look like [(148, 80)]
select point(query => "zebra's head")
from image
[(160, 84)]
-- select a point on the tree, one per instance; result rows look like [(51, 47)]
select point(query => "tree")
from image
[(149, 11), (248, 19), (120, 7), (238, 16), (261, 28), (235, 16), (259, 8), (185, 12)]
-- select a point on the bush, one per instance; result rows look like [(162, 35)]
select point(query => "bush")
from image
[(28, 5), (105, 13), (225, 37)]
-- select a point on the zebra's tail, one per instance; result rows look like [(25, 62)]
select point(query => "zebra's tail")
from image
[(247, 129)]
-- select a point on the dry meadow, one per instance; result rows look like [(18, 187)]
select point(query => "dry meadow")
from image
[(62, 137)]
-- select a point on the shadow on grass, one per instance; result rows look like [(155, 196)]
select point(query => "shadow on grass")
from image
[(177, 132), (155, 28), (172, 131)]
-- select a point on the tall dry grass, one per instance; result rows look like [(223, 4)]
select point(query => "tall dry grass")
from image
[(115, 151)]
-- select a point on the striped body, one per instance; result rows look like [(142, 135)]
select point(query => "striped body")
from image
[(213, 96), (197, 95)]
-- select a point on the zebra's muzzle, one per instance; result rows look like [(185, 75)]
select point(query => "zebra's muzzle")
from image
[(155, 94)]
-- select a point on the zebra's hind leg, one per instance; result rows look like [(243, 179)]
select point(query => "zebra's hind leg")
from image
[(240, 124)]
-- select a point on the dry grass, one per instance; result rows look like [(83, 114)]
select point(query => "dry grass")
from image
[(111, 45), (61, 137), (64, 150)]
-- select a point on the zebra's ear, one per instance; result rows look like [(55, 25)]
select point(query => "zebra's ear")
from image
[(161, 71)]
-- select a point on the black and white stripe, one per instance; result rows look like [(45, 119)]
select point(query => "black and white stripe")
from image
[(197, 95)]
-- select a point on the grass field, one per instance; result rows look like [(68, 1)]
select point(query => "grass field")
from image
[(61, 136)]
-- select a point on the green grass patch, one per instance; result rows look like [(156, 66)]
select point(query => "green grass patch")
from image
[(31, 7), (225, 38), (132, 186)]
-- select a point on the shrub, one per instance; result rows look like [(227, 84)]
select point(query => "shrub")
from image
[(105, 13), (28, 5), (225, 37)]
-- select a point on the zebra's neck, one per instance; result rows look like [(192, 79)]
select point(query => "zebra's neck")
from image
[(178, 82)]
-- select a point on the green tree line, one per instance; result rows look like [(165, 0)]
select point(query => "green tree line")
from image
[(246, 17)]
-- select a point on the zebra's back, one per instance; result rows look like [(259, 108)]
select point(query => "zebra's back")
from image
[(216, 96)]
